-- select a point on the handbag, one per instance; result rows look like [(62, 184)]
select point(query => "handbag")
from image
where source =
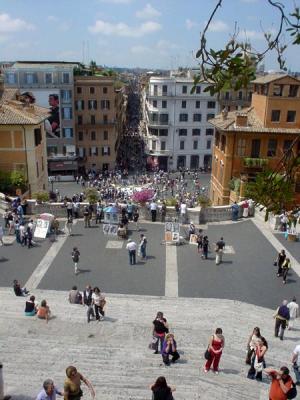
[(258, 365), (275, 263), (292, 393), (153, 343), (207, 354)]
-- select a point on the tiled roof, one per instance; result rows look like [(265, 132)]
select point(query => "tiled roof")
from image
[(8, 94), (16, 113), (272, 77), (254, 124)]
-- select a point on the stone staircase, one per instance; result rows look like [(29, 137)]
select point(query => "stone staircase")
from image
[(114, 353)]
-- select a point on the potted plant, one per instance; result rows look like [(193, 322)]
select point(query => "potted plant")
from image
[(41, 197)]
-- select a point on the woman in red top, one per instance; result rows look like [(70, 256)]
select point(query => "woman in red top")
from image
[(215, 348)]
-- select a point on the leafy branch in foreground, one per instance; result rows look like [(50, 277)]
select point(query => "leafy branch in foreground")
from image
[(234, 66)]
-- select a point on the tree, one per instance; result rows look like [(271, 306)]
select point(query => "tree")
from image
[(234, 66), (273, 193), (92, 195)]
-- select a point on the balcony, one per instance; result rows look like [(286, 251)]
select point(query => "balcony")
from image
[(255, 163), (158, 152), (160, 94)]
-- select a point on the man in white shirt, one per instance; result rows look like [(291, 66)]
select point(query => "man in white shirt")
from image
[(153, 209), (183, 212), (294, 312), (131, 247), (296, 363)]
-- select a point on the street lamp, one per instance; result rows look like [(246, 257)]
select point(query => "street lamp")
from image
[(51, 179)]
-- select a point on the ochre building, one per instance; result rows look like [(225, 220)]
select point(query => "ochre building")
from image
[(23, 139), (255, 138)]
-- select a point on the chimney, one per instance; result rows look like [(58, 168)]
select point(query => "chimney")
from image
[(224, 113), (241, 119)]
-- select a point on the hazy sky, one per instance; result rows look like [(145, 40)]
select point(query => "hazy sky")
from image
[(154, 33)]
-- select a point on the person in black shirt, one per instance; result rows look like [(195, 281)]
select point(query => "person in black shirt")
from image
[(160, 328), (161, 391), (219, 250), (30, 307), (19, 291), (87, 300)]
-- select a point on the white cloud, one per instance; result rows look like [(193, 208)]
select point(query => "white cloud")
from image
[(64, 26), (255, 35), (52, 18), (116, 1), (9, 25), (139, 49), (218, 26), (122, 29), (189, 24), (148, 12)]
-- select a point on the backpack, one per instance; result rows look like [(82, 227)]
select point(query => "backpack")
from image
[(292, 393)]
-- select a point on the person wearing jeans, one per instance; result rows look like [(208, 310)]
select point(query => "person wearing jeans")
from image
[(98, 302), (282, 317), (296, 362), (131, 247)]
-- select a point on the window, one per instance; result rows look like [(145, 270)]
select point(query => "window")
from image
[(272, 147), (291, 116), (249, 97), (163, 132), (11, 78), (164, 104), (37, 169), (183, 104), (67, 112), (275, 116), (255, 148), (68, 133), (197, 104), (154, 103), (183, 117), (66, 95), (209, 132), (81, 152), (277, 90), (31, 78), (155, 90), (165, 90), (227, 95), (286, 145), (153, 131), (184, 89), (93, 135), (154, 117), (163, 146), (92, 90), (181, 160), (209, 116), (211, 104), (153, 145), (93, 119), (66, 78), (223, 143), (197, 117), (79, 105), (105, 90), (182, 132), (37, 136), (198, 89), (48, 78), (51, 150), (293, 91), (164, 118), (196, 132), (79, 90), (241, 147), (181, 145), (105, 119), (80, 136), (92, 104), (105, 104), (105, 135), (105, 150), (240, 95), (208, 144), (195, 144), (94, 151)]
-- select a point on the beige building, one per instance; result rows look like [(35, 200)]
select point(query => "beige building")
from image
[(23, 138), (96, 127)]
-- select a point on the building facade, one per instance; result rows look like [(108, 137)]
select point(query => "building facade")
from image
[(233, 100), (23, 139), (52, 85), (98, 108), (250, 140), (178, 129)]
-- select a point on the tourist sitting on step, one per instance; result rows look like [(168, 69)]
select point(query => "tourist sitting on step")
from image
[(49, 391), (19, 291), (170, 349), (122, 231), (30, 307), (75, 297), (44, 311), (161, 390)]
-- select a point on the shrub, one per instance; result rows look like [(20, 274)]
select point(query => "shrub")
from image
[(204, 201), (91, 195), (41, 196), (171, 202)]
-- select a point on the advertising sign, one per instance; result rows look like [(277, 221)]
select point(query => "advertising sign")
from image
[(42, 227), (49, 99), (109, 229)]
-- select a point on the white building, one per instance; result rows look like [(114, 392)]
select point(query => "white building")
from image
[(179, 134)]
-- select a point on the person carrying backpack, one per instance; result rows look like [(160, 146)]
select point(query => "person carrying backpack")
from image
[(75, 257)]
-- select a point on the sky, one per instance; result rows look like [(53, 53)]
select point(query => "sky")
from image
[(132, 33)]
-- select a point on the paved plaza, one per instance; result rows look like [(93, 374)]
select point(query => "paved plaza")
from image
[(247, 273)]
